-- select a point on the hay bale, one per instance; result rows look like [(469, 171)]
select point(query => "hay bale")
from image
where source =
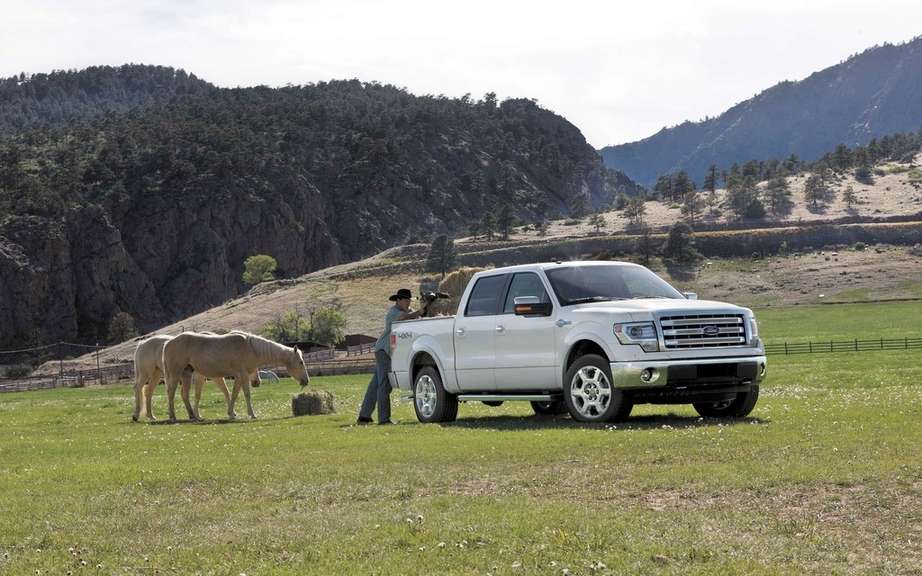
[(454, 284), (312, 402)]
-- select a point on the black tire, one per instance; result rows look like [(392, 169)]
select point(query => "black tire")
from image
[(595, 407), (436, 405), (493, 403), (549, 408), (739, 407)]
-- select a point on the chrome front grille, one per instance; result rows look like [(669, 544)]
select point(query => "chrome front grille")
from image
[(703, 331)]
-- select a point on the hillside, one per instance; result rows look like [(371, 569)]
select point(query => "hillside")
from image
[(153, 212), (869, 95), (823, 263), (65, 96)]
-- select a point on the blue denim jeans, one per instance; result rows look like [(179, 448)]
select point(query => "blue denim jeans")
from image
[(379, 389)]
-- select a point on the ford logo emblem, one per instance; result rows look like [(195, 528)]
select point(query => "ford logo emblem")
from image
[(710, 330)]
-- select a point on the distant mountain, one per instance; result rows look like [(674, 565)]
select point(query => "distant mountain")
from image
[(67, 95), (153, 211), (875, 93)]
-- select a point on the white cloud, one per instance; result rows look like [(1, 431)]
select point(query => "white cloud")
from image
[(619, 71)]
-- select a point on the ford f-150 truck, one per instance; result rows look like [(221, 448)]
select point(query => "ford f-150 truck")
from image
[(589, 338)]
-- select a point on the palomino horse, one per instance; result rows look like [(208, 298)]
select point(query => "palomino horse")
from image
[(148, 369), (238, 354)]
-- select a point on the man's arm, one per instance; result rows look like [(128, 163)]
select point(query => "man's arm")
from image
[(414, 314)]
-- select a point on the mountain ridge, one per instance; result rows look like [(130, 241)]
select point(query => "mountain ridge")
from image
[(871, 94)]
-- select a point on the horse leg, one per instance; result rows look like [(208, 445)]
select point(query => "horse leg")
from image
[(186, 385), (199, 384), (246, 394), (139, 383), (222, 385), (233, 399), (152, 381), (171, 383)]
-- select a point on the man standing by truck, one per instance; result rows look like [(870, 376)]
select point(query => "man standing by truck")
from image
[(379, 388)]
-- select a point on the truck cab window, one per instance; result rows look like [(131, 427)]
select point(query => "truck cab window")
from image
[(485, 296), (524, 284)]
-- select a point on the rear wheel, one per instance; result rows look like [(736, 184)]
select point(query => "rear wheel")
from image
[(588, 392), (549, 407), (430, 400), (738, 407)]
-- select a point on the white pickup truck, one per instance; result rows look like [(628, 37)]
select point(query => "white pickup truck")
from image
[(589, 338)]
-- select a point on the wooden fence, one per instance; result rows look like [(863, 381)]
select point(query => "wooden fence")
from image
[(831, 346)]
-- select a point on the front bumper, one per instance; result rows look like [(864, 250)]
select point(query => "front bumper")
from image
[(693, 372)]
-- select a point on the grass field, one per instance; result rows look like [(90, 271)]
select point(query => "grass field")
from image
[(825, 477)]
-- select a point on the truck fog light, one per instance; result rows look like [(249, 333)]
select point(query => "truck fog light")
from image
[(762, 369), (646, 375)]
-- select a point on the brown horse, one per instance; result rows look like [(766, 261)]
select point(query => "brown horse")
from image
[(239, 355)]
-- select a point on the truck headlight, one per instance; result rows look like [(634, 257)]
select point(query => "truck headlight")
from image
[(753, 331), (642, 334)]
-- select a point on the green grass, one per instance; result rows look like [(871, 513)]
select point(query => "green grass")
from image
[(825, 477)]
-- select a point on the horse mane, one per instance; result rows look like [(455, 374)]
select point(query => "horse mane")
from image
[(264, 348)]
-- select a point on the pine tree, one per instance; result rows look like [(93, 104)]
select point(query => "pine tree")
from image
[(645, 246), (816, 191), (505, 220), (635, 211), (691, 206), (778, 194), (680, 245), (598, 221), (488, 224), (442, 256), (579, 206), (849, 196), (710, 179)]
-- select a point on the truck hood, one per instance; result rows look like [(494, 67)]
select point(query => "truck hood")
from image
[(643, 309)]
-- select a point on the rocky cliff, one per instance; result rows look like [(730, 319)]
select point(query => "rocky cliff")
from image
[(153, 212)]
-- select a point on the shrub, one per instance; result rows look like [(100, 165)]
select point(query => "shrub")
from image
[(259, 268), (860, 246), (121, 328), (17, 371)]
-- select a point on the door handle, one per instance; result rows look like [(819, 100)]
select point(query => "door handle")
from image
[(460, 331), (561, 323), (500, 328)]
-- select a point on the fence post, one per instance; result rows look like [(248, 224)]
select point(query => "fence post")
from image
[(98, 371), (60, 362), (856, 344), (830, 345), (905, 342), (881, 342), (785, 347), (811, 347)]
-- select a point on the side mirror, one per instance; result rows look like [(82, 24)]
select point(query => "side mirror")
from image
[(690, 295), (531, 306)]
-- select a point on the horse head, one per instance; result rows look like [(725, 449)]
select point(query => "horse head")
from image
[(297, 369)]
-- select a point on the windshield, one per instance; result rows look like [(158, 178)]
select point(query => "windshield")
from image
[(579, 284)]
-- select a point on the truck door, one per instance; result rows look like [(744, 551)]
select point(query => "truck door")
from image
[(525, 345), (475, 335)]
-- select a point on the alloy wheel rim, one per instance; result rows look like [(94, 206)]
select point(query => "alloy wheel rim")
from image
[(425, 395), (590, 391)]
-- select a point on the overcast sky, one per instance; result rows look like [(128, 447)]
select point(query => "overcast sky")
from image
[(620, 71)]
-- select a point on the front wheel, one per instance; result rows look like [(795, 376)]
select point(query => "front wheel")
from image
[(430, 400), (588, 392), (738, 407)]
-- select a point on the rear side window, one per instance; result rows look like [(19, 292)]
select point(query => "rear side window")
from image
[(524, 284), (485, 296)]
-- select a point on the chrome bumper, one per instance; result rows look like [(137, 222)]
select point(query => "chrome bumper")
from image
[(628, 374)]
